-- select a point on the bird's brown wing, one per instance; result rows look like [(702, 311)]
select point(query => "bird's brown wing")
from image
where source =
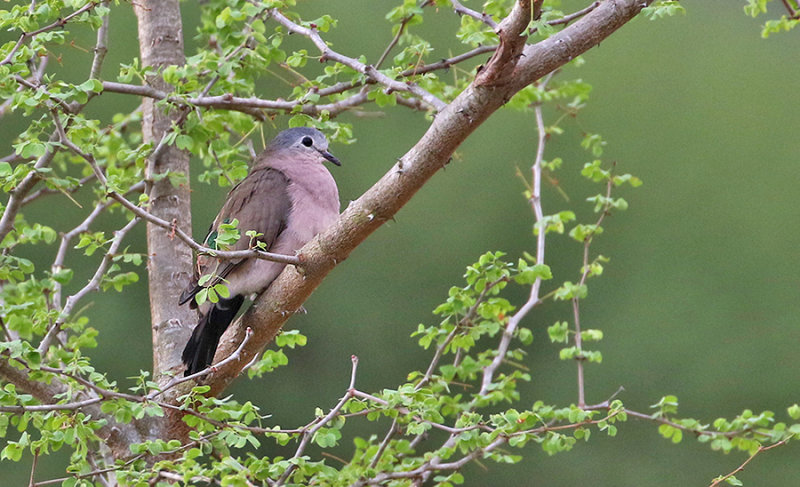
[(260, 202)]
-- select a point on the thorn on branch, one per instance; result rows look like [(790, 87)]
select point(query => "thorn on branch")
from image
[(352, 388)]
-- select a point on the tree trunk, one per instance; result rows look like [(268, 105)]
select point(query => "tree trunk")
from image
[(169, 263)]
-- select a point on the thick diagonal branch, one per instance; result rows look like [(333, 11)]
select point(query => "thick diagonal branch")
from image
[(381, 202)]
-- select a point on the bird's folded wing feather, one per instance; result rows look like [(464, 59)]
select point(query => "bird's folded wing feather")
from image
[(260, 202)]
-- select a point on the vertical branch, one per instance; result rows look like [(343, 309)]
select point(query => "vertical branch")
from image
[(576, 313), (536, 190), (578, 339), (169, 264), (31, 482), (101, 46), (533, 297)]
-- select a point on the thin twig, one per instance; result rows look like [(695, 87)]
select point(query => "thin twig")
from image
[(218, 254), (66, 238), (31, 483), (404, 410), (69, 406), (424, 470), (95, 473), (36, 76), (92, 285), (741, 467), (91, 386), (77, 150), (211, 368), (327, 53), (794, 14), (533, 297), (382, 447), (587, 242), (17, 195), (479, 16), (46, 191), (309, 434), (446, 63), (396, 38), (51, 98), (61, 22), (436, 357), (253, 105), (443, 64), (465, 321), (580, 13)]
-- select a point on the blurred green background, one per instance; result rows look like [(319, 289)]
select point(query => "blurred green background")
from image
[(702, 293)]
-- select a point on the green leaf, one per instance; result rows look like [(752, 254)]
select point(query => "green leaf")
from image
[(558, 332), (32, 150), (591, 335), (774, 26), (227, 234), (201, 296), (794, 411), (665, 8), (756, 7), (14, 449), (733, 480), (63, 276), (298, 59), (211, 294), (184, 142), (224, 18), (91, 85), (222, 290), (382, 98)]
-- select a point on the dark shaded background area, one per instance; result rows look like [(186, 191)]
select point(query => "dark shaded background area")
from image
[(700, 298)]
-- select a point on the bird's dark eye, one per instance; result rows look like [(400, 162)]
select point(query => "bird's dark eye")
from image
[(307, 141)]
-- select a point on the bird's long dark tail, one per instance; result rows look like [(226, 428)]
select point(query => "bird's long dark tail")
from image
[(202, 346)]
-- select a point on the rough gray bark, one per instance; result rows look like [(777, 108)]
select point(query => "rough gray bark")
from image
[(506, 74), (170, 263)]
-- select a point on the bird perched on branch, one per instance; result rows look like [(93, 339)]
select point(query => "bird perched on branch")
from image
[(288, 197)]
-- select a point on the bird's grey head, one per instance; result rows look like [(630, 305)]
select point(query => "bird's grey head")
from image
[(305, 139)]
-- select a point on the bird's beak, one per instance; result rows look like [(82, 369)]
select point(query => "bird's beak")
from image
[(330, 157)]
